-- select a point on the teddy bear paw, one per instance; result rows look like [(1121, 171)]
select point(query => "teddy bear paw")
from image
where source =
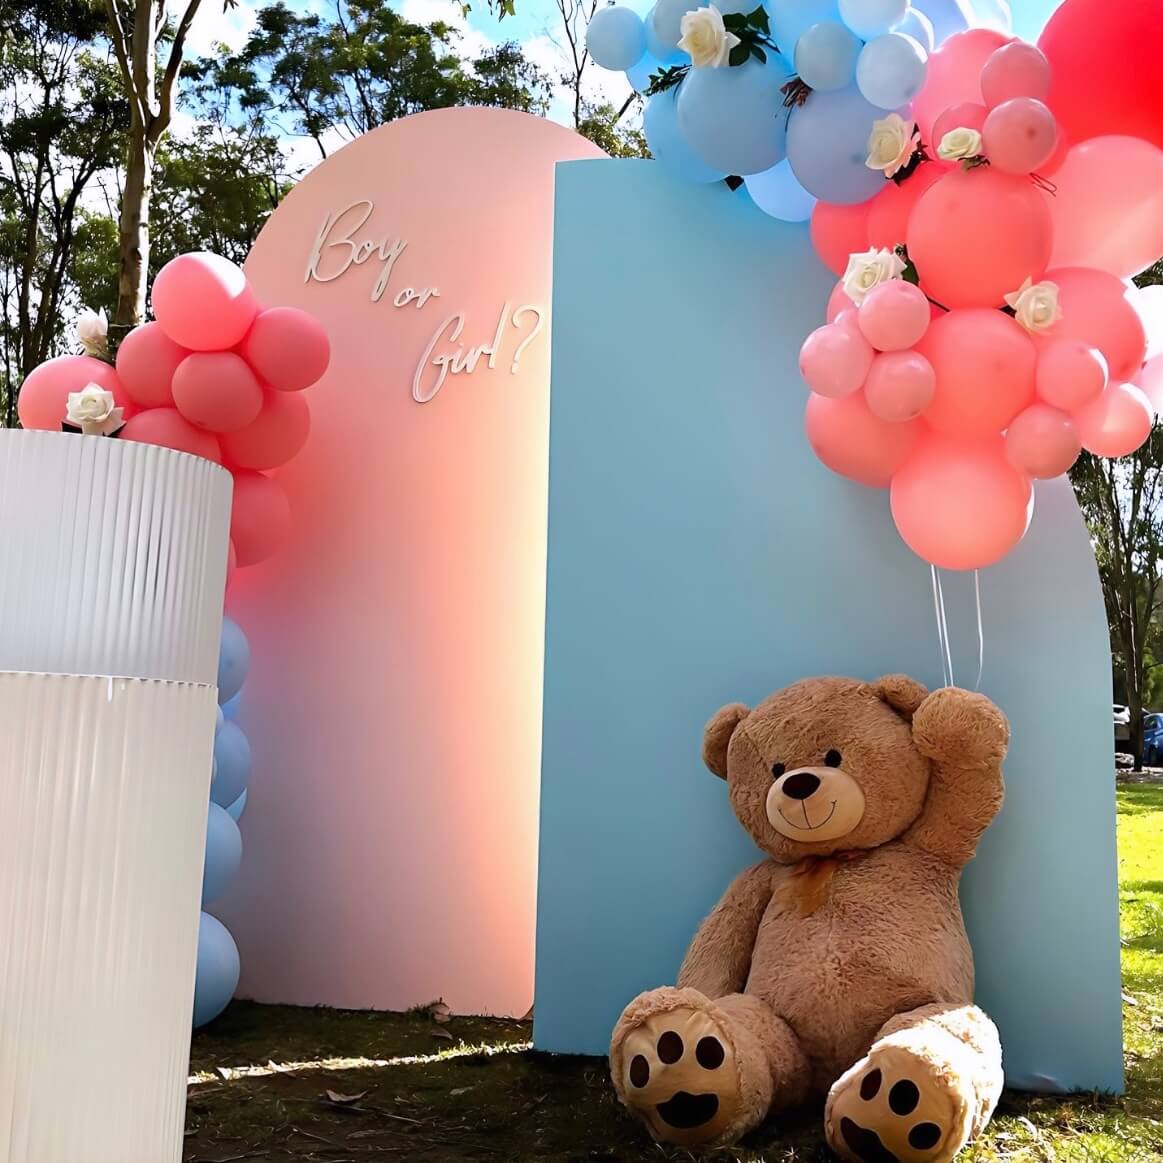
[(681, 1077), (894, 1108)]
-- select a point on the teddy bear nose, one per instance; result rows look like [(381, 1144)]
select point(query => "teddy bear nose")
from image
[(799, 785)]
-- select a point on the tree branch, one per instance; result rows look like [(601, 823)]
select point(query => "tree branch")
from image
[(173, 68)]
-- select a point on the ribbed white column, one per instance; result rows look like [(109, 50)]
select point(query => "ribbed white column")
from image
[(112, 567)]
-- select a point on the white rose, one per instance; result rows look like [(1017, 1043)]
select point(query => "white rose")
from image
[(91, 328), (869, 269), (959, 144), (706, 38), (94, 411), (891, 144), (1035, 305)]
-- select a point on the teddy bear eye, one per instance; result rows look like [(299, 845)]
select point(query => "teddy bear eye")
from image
[(777, 769), (833, 758)]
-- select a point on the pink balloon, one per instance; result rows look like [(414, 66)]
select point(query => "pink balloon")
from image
[(853, 442), (835, 358), (1042, 442), (168, 428), (954, 75), (288, 348), (1020, 135), (1107, 207), (1150, 382), (1117, 422), (838, 301), (1070, 373), (44, 395), (894, 315), (967, 115), (1016, 69), (900, 385), (146, 362), (217, 390), (959, 504), (1097, 309), (838, 232), (977, 235), (260, 519), (984, 363), (276, 435), (203, 301), (888, 212)]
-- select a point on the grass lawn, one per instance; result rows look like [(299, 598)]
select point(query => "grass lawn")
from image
[(352, 1087)]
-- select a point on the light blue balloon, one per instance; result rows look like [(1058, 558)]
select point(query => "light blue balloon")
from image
[(777, 193), (223, 854), (868, 18), (667, 144), (826, 56), (616, 38), (238, 808), (232, 707), (220, 720), (233, 660), (891, 70), (219, 969), (639, 76), (827, 145), (917, 25), (948, 17), (734, 118), (233, 765), (790, 19), (664, 20)]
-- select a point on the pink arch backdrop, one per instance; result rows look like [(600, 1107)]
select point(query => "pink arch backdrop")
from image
[(395, 701)]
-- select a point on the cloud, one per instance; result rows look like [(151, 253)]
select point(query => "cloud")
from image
[(215, 25)]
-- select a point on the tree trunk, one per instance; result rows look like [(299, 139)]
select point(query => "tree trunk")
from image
[(134, 229)]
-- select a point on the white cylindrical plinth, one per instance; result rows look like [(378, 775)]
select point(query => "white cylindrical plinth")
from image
[(112, 563)]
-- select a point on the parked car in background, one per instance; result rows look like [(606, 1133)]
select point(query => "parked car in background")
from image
[(1122, 723), (1152, 739)]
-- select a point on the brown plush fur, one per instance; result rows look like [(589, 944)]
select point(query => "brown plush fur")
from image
[(841, 960)]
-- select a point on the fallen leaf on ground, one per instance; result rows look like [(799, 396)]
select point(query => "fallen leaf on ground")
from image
[(345, 1099)]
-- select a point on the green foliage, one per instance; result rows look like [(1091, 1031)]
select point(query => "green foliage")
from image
[(603, 125)]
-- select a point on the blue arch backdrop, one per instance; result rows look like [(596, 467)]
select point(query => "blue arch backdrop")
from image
[(699, 554)]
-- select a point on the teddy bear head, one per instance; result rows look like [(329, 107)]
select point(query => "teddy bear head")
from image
[(824, 765)]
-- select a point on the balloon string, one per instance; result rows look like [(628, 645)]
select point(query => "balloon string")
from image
[(942, 627), (980, 630)]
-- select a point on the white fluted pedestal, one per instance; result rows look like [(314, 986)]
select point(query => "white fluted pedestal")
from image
[(112, 567)]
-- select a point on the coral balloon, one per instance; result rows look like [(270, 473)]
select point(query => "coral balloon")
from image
[(1097, 309), (168, 428), (288, 348), (894, 315), (967, 115), (276, 435), (984, 363), (1015, 70), (1020, 135), (44, 395), (961, 504), (900, 385), (260, 520), (888, 212), (954, 75), (1043, 442), (853, 442), (146, 362), (838, 232), (1117, 422), (977, 235), (838, 301), (217, 390), (203, 301), (1107, 207), (1105, 59), (1070, 373), (834, 359)]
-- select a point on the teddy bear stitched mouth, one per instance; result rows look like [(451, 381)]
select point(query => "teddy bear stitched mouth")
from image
[(687, 1111), (807, 825)]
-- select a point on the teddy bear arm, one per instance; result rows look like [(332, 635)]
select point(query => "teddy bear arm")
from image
[(719, 958)]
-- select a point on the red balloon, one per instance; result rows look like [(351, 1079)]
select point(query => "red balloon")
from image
[(1104, 58), (961, 504), (1042, 442), (168, 428), (260, 520), (288, 348), (276, 435), (953, 76), (44, 395), (838, 232), (853, 442), (977, 235), (985, 371), (1117, 422), (217, 390), (888, 212), (203, 301), (146, 362)]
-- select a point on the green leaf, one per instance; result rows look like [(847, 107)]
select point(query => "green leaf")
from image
[(910, 274), (758, 53), (739, 55), (735, 22), (758, 19)]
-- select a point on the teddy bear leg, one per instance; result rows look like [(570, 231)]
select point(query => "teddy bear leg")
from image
[(701, 1072), (926, 1088)]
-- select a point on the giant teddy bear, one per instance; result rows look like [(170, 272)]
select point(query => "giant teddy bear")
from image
[(840, 964)]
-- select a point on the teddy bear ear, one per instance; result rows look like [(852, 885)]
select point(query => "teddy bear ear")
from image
[(903, 694), (717, 736)]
